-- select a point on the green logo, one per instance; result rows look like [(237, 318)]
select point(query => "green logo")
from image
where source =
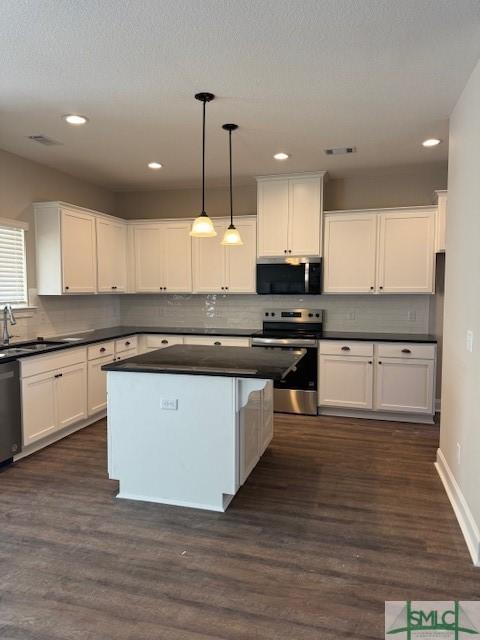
[(441, 619)]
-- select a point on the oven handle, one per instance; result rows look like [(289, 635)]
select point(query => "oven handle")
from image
[(283, 342)]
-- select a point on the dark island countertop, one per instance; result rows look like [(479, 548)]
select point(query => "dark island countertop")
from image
[(231, 362)]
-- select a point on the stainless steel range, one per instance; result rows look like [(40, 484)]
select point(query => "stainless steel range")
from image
[(294, 329)]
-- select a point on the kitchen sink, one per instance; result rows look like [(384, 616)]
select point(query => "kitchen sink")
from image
[(27, 347)]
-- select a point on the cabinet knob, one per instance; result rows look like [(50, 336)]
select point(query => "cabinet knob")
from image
[(372, 288), (164, 341), (406, 351), (102, 350), (58, 375), (289, 251), (66, 288), (381, 288), (379, 362), (222, 288), (226, 288), (284, 251), (217, 343), (127, 344), (114, 287), (345, 348), (370, 362)]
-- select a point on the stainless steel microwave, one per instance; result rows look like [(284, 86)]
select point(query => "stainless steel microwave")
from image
[(293, 276)]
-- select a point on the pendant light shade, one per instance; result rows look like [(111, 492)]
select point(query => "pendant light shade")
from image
[(202, 226), (231, 236)]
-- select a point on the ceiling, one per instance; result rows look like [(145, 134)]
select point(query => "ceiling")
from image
[(295, 75)]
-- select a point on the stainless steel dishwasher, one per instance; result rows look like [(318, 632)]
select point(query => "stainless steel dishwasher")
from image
[(10, 412)]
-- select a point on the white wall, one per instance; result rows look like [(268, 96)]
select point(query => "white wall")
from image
[(460, 421)]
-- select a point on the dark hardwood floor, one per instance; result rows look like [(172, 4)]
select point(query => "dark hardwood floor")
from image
[(339, 516)]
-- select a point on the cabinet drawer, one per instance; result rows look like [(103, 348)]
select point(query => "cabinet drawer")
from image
[(157, 341), (100, 350), (125, 344), (218, 341), (347, 348), (406, 350), (41, 364)]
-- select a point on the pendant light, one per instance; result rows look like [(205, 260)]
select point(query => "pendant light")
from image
[(202, 226), (231, 236)]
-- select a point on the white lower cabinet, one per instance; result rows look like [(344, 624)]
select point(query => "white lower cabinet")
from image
[(384, 377), (346, 381), (217, 341), (256, 429), (404, 386), (54, 393), (97, 385), (151, 342)]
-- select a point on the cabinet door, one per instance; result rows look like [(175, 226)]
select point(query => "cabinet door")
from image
[(272, 217), (350, 253), (177, 257), (97, 385), (345, 381), (112, 256), (71, 395), (250, 428), (241, 261), (38, 407), (209, 264), (147, 242), (305, 214), (406, 252), (404, 386), (79, 255), (129, 353), (266, 432)]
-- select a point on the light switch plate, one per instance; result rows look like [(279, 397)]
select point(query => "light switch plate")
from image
[(168, 403), (470, 340)]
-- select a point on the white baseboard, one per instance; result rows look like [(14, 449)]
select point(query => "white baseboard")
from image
[(376, 415), (467, 523)]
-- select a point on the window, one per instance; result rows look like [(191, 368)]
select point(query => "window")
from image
[(13, 278)]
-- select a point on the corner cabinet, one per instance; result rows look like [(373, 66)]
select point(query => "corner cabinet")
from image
[(221, 269), (289, 211), (78, 251), (380, 251)]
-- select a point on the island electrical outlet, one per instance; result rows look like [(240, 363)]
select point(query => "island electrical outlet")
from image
[(167, 403)]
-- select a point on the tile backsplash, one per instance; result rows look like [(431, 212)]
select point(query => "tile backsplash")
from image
[(407, 314)]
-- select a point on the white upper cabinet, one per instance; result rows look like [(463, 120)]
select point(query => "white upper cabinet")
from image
[(406, 252), (289, 210), (222, 269), (147, 241), (177, 256), (350, 253), (112, 256), (441, 223), (79, 256), (380, 251)]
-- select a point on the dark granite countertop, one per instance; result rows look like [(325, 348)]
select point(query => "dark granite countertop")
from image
[(232, 362), (379, 337), (111, 333)]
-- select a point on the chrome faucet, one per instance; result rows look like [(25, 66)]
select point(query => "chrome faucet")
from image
[(7, 316)]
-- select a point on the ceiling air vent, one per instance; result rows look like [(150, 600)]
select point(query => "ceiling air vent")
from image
[(339, 151), (48, 142)]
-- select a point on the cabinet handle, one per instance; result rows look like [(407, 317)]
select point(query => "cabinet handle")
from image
[(223, 288), (370, 362), (379, 362), (284, 251), (67, 288), (372, 288), (289, 251), (102, 350), (381, 288), (226, 288), (127, 344), (58, 375), (345, 348), (217, 343), (406, 351), (164, 341), (114, 287)]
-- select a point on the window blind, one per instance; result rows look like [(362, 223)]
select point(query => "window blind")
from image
[(13, 280)]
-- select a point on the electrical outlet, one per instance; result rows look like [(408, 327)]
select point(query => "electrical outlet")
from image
[(412, 316), (470, 340), (459, 452), (167, 403)]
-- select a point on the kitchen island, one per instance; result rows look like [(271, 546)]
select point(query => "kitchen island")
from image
[(187, 424)]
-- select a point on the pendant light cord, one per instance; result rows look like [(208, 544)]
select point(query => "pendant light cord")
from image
[(231, 187), (203, 159)]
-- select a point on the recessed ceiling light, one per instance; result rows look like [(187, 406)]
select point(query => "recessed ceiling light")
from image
[(431, 142), (154, 165), (281, 156), (75, 119)]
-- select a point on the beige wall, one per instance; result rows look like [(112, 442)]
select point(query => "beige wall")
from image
[(393, 187), (397, 186), (460, 423), (185, 203), (23, 182)]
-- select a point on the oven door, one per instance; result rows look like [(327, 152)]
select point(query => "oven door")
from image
[(297, 392)]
